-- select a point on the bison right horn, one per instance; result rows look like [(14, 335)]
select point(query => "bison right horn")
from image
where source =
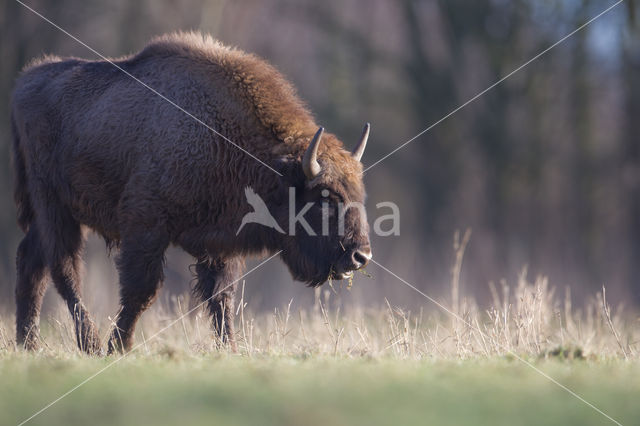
[(310, 163), (359, 149)]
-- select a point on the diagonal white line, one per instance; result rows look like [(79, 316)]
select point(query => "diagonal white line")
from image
[(563, 39), (150, 88), (111, 364), (524, 361)]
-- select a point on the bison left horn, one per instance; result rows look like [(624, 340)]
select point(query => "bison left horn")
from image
[(310, 163), (359, 149)]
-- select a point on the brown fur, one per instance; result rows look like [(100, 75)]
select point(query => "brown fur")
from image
[(94, 148)]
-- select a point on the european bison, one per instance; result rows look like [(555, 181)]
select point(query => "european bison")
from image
[(95, 149)]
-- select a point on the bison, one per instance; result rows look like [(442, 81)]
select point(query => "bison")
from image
[(119, 147)]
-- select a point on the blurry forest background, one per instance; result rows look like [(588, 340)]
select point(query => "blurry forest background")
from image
[(545, 168)]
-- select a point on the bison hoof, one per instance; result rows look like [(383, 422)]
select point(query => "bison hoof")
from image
[(29, 339), (92, 347), (31, 343), (88, 338), (118, 344)]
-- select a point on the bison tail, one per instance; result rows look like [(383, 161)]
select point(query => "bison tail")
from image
[(20, 189)]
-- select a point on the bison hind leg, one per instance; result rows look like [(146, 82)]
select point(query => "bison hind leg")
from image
[(62, 244), (66, 269), (31, 285), (216, 285)]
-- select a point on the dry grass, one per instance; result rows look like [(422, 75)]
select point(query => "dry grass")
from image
[(527, 319)]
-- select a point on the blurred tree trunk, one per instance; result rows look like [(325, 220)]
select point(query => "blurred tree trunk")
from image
[(581, 226), (436, 177), (631, 160)]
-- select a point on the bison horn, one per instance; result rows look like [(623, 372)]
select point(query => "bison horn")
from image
[(359, 149), (310, 163)]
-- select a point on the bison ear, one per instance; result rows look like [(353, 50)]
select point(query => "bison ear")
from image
[(292, 177), (290, 169)]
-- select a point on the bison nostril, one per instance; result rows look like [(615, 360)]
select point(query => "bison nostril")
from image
[(361, 258)]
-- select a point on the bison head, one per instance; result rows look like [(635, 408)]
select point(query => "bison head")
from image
[(328, 233)]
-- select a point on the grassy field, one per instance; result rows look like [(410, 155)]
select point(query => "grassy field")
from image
[(374, 366), (184, 389)]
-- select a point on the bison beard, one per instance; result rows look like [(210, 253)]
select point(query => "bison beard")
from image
[(94, 149)]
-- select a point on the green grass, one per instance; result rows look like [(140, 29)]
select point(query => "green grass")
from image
[(183, 389)]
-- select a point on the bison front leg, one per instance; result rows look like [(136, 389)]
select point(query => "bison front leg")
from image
[(216, 285), (140, 265)]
